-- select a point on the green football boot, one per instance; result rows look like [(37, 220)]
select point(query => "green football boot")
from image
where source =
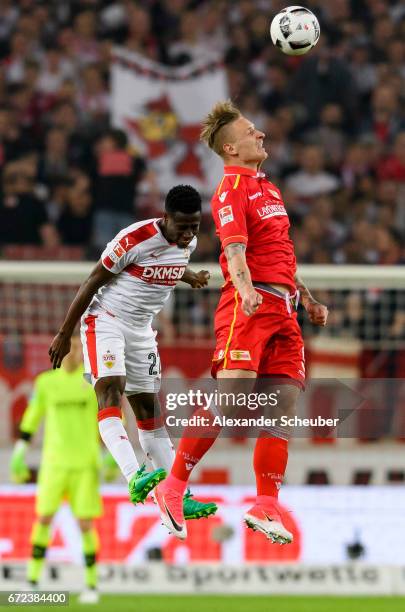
[(194, 509), (143, 482)]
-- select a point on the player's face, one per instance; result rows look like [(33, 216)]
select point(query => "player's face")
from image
[(246, 146), (181, 227)]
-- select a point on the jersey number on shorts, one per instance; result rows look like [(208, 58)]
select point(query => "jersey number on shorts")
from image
[(152, 368)]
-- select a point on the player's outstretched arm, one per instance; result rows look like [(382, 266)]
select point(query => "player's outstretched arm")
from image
[(317, 313), (19, 471), (240, 275), (30, 422), (60, 346), (196, 280)]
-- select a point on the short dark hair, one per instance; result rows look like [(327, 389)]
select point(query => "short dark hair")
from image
[(184, 199)]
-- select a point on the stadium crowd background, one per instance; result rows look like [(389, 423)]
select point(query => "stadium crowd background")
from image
[(335, 120)]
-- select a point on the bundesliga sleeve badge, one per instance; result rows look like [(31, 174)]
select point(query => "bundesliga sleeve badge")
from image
[(225, 215), (116, 253)]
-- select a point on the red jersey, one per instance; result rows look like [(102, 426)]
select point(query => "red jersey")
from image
[(248, 208)]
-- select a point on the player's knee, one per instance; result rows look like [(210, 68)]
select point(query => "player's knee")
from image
[(109, 391), (90, 559), (145, 405), (287, 399), (45, 520), (234, 386), (38, 551)]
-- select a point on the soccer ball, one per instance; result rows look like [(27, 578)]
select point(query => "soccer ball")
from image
[(295, 30)]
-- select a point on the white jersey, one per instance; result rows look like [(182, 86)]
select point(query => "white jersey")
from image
[(147, 267)]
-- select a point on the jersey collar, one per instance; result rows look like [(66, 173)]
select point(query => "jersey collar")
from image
[(242, 170)]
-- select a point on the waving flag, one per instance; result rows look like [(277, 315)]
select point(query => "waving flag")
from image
[(161, 109)]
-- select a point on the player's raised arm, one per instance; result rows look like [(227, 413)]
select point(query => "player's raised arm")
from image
[(317, 313), (61, 343), (240, 275)]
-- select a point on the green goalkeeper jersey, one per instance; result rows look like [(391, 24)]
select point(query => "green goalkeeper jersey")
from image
[(69, 405)]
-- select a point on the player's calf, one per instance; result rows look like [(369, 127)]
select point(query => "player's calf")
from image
[(40, 538)]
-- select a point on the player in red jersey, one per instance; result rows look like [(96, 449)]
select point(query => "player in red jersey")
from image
[(255, 323)]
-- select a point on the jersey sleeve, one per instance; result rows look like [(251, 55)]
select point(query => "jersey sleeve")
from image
[(229, 212), (35, 410), (116, 256)]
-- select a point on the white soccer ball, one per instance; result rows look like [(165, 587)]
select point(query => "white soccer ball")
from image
[(295, 30)]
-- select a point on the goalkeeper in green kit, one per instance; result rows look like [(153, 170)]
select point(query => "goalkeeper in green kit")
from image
[(71, 461)]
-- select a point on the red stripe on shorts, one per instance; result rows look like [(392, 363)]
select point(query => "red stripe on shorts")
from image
[(90, 321)]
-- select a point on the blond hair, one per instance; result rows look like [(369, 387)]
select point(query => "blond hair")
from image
[(212, 132)]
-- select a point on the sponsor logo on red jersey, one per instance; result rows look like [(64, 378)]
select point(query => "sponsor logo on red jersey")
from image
[(255, 195), (240, 355), (271, 210)]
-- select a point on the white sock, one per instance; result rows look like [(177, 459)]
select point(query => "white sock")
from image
[(116, 440), (158, 447)]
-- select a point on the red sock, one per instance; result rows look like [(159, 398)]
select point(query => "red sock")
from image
[(270, 461), (150, 424), (191, 448)]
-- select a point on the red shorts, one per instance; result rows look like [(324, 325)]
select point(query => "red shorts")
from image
[(268, 342)]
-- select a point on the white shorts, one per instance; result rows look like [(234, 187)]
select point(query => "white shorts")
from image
[(112, 347)]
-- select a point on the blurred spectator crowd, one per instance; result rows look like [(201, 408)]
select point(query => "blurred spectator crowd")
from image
[(334, 120)]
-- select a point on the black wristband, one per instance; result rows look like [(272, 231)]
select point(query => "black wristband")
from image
[(25, 435)]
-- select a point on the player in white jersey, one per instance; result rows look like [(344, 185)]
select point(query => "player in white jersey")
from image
[(135, 276)]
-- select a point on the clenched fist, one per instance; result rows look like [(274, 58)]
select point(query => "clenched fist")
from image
[(200, 279), (251, 301), (317, 313)]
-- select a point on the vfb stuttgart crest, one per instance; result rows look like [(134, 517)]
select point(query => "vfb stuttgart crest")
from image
[(109, 359)]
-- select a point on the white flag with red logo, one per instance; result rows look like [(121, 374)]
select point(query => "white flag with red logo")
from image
[(161, 109)]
